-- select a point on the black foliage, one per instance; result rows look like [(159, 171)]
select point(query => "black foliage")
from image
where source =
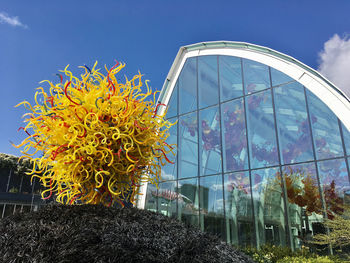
[(91, 233)]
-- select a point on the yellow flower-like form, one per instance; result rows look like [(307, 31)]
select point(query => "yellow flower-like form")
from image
[(100, 138)]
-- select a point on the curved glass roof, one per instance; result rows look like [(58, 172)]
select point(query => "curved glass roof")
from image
[(248, 46)]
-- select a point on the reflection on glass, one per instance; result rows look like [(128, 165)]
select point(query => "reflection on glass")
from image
[(169, 171), (346, 134), (230, 77), (9, 209), (238, 207), (151, 198), (188, 202), (256, 76), (15, 183), (1, 210), (26, 185), (279, 78), (325, 129), (37, 186), (335, 185), (188, 86), (261, 130), (212, 205), (18, 208), (293, 123), (235, 141), (172, 105), (255, 212), (208, 89), (304, 202), (4, 178), (209, 120), (268, 207), (188, 146), (167, 198)]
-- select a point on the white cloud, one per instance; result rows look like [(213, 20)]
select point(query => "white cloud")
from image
[(166, 176), (13, 21), (335, 62)]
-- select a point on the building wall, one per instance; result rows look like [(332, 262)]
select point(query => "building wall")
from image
[(17, 193), (260, 158)]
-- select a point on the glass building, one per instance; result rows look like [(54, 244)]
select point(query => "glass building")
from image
[(263, 145), (17, 192)]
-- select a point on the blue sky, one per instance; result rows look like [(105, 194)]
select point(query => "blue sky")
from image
[(40, 37)]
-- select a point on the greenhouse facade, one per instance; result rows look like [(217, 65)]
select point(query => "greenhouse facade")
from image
[(263, 145)]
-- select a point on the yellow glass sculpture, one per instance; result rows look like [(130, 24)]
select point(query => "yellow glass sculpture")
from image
[(100, 138)]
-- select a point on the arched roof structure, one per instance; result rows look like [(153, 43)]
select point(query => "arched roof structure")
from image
[(332, 96)]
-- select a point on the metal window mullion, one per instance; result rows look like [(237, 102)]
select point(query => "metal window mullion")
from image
[(316, 165), (3, 210), (8, 180), (198, 149), (177, 164), (228, 100), (20, 185), (178, 170), (221, 149), (32, 201), (286, 164), (314, 151), (255, 238), (344, 148), (283, 181)]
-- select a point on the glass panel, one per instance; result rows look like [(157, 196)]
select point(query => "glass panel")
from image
[(335, 185), (37, 186), (1, 210), (18, 208), (208, 88), (4, 177), (235, 141), (293, 124), (238, 206), (212, 205), (188, 205), (325, 129), (169, 170), (230, 69), (279, 78), (167, 197), (210, 140), (256, 76), (261, 130), (269, 207), (188, 146), (188, 86), (172, 105), (15, 183), (304, 202), (26, 185), (346, 134), (151, 198), (9, 210)]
